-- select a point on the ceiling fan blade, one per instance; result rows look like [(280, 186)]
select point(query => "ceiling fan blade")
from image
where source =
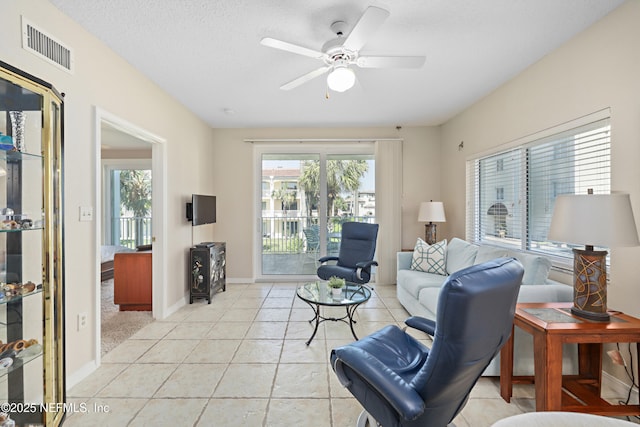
[(390, 61), (369, 22), (305, 78), (290, 47)]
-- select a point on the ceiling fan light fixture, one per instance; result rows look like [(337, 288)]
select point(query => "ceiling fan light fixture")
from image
[(341, 79)]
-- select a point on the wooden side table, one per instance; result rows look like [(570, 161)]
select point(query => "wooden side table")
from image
[(552, 325), (132, 280)]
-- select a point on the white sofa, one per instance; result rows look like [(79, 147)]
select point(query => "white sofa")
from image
[(418, 292)]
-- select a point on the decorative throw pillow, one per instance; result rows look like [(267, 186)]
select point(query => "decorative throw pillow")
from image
[(430, 258)]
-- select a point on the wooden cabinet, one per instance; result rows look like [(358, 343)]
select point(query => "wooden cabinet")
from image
[(31, 250), (132, 281), (207, 273)]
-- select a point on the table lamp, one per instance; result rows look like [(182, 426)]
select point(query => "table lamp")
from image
[(431, 212), (604, 220)]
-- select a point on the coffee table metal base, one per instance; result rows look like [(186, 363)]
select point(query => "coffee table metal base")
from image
[(318, 318), (317, 294)]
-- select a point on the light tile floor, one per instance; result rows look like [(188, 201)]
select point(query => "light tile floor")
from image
[(242, 361)]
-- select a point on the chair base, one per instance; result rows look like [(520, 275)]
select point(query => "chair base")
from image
[(364, 420)]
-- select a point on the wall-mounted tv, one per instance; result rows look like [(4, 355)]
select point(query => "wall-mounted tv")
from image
[(201, 210)]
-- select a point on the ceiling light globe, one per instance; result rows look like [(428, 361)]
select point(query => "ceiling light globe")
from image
[(341, 79)]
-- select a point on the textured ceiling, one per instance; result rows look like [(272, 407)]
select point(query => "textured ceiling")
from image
[(206, 53)]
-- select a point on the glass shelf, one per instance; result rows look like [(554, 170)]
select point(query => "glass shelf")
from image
[(14, 230), (19, 362), (18, 155), (6, 300)]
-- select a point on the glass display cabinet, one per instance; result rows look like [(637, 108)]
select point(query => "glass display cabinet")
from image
[(32, 379)]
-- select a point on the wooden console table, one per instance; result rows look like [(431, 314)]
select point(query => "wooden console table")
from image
[(552, 325)]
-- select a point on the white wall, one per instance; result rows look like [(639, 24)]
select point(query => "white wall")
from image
[(234, 182), (597, 69), (104, 80)]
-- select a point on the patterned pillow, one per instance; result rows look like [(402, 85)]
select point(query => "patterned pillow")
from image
[(430, 258)]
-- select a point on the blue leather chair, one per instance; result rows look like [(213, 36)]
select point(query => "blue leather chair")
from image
[(354, 261), (400, 382)]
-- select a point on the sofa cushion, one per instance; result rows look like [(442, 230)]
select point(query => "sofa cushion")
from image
[(428, 298), (413, 281), (460, 254), (536, 268), (430, 258), (487, 253)]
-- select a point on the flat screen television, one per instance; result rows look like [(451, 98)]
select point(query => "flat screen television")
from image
[(201, 210)]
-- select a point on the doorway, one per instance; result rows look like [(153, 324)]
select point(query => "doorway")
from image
[(305, 197), (123, 146), (126, 227)]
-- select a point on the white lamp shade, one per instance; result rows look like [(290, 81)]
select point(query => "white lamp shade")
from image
[(431, 212), (594, 219), (341, 79)]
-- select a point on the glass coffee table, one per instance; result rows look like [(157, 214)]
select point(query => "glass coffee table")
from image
[(318, 294)]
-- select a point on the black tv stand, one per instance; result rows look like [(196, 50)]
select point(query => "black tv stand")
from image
[(207, 274)]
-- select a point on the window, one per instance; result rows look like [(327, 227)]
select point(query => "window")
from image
[(511, 194)]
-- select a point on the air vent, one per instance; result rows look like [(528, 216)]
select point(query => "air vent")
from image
[(46, 47)]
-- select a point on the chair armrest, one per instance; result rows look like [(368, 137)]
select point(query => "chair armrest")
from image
[(365, 264), (328, 258), (400, 395), (420, 323)]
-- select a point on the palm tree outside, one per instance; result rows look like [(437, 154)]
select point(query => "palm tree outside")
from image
[(343, 176), (135, 202)]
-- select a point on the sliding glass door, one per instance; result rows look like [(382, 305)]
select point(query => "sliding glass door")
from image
[(305, 198)]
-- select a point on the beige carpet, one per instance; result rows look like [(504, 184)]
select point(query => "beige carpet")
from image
[(117, 325)]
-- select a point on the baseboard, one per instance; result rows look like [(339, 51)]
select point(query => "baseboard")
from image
[(175, 307), (617, 387), (240, 280), (79, 375)]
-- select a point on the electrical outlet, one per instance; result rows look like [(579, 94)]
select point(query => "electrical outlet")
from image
[(82, 320), (616, 357), (86, 213)]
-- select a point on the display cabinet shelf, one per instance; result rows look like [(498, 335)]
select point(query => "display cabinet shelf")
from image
[(14, 155), (18, 363), (14, 298), (14, 230)]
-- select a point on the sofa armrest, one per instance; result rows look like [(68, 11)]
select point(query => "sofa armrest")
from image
[(404, 260)]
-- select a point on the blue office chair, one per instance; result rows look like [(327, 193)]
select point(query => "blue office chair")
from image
[(355, 259), (400, 382)]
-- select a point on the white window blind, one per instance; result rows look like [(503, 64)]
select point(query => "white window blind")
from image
[(511, 194)]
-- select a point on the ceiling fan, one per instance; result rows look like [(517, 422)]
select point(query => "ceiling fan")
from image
[(342, 52)]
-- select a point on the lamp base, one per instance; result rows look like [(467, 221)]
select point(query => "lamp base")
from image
[(599, 317), (430, 233), (590, 284)]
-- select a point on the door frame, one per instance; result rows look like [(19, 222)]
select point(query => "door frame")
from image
[(158, 207)]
